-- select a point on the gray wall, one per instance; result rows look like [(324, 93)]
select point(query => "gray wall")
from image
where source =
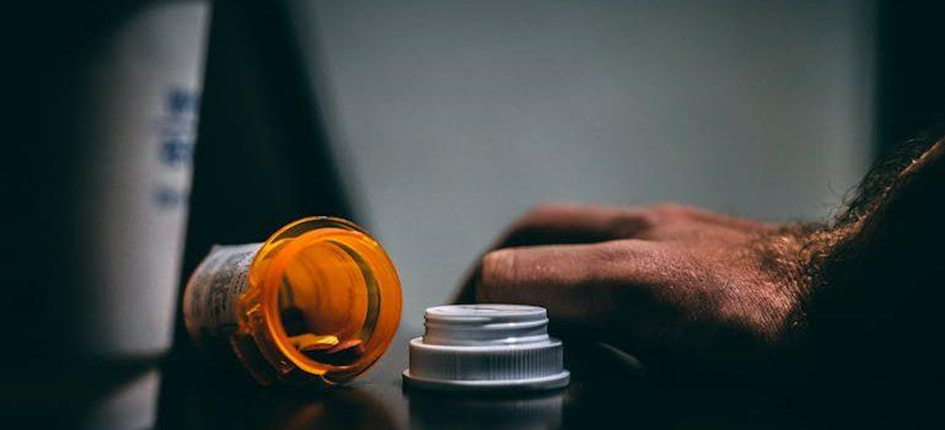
[(452, 118)]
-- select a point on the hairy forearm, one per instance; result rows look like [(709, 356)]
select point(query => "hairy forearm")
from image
[(872, 318)]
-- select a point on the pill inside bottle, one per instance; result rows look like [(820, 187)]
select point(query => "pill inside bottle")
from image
[(318, 302)]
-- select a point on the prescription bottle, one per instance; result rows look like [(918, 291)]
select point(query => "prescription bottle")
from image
[(317, 303)]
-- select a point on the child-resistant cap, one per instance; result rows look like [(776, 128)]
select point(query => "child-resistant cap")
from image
[(486, 347)]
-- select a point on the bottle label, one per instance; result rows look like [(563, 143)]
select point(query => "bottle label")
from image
[(212, 296)]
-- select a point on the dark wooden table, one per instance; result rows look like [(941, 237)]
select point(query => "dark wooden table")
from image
[(607, 390)]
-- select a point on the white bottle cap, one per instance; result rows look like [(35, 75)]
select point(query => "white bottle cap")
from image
[(486, 347)]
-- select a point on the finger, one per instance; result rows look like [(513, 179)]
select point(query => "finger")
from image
[(708, 217), (558, 224), (588, 286), (572, 223)]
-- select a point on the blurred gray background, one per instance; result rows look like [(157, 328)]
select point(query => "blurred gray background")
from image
[(449, 119)]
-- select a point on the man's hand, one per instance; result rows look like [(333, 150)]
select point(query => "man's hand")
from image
[(849, 310), (681, 288)]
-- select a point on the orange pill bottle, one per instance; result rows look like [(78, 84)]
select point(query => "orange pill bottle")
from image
[(317, 303)]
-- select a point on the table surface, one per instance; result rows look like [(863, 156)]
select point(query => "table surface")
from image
[(606, 389)]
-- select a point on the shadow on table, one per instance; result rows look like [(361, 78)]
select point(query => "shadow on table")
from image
[(607, 389), (207, 395)]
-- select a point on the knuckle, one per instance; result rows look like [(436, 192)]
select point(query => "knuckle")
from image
[(620, 250), (543, 210), (664, 214), (636, 222), (535, 216), (496, 265)]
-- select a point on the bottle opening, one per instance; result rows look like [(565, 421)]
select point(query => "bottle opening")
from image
[(328, 303), (330, 295)]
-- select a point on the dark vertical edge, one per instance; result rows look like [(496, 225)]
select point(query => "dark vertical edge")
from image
[(911, 69), (262, 157)]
